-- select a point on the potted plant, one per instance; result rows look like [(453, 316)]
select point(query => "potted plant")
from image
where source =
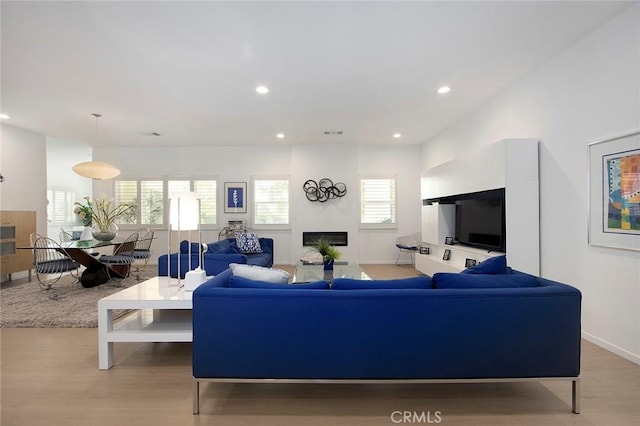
[(103, 214), (329, 253)]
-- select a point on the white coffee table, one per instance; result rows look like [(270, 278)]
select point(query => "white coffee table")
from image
[(163, 314)]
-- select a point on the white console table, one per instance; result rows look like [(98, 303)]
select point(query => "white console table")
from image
[(162, 314)]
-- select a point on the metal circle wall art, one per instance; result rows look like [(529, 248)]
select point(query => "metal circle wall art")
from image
[(323, 190)]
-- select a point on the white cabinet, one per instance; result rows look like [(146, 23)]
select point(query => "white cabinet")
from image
[(511, 164), (433, 262)]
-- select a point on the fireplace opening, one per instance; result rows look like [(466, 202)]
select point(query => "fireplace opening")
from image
[(335, 238)]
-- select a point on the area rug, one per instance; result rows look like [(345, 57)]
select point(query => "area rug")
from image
[(66, 305)]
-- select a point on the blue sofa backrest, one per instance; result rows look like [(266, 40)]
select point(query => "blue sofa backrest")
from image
[(360, 334), (266, 244)]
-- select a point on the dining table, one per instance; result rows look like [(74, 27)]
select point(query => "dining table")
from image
[(81, 251)]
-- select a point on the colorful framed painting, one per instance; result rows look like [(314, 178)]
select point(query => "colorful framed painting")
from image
[(235, 197), (614, 192)]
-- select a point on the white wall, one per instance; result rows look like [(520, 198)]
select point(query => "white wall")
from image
[(61, 157), (341, 163), (586, 93), (23, 164)]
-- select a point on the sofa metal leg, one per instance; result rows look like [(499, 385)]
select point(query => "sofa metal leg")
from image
[(575, 396), (196, 396)]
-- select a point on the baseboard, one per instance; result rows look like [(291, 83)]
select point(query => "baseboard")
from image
[(612, 348)]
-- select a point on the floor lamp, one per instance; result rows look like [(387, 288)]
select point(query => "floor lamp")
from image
[(183, 216)]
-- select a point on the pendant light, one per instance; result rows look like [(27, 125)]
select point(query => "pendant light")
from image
[(96, 169)]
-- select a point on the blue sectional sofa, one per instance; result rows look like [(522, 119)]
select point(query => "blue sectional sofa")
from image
[(217, 257), (455, 327)]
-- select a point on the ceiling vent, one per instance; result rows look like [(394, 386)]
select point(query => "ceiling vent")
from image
[(333, 132)]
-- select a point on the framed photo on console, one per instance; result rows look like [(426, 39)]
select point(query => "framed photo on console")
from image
[(448, 241), (468, 263), (614, 192), (424, 250), (235, 197), (446, 255)]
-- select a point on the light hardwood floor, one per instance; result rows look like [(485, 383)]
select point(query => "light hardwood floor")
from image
[(50, 377)]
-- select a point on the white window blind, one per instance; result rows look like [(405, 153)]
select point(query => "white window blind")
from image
[(60, 205), (151, 202), (150, 196), (271, 201), (206, 191), (174, 186), (126, 191), (378, 201)]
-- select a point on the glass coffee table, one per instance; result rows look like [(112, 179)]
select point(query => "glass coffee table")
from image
[(314, 271)]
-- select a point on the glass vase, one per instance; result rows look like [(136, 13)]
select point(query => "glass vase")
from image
[(106, 233)]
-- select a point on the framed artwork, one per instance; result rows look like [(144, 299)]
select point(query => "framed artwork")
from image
[(448, 241), (614, 192), (468, 263), (235, 197), (446, 255), (424, 250)]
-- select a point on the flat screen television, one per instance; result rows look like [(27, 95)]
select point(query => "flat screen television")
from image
[(480, 220)]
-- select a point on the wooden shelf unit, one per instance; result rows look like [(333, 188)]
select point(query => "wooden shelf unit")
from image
[(15, 230)]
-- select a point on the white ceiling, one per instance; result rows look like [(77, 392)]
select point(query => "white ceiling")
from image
[(188, 70)]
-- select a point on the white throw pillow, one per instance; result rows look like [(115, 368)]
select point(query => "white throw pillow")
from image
[(260, 273)]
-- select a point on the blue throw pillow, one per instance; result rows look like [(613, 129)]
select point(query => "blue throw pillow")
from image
[(421, 282), (493, 265), (241, 282), (443, 280), (248, 242)]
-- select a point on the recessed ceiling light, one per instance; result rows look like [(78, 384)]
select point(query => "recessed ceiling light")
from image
[(280, 135), (397, 135), (262, 89), (4, 116), (444, 89)]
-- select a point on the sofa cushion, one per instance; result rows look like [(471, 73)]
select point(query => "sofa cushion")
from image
[(260, 259), (241, 282), (421, 282), (260, 273), (195, 247), (493, 265), (248, 242), (443, 280)]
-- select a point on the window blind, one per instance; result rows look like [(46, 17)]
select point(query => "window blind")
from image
[(271, 202), (378, 201)]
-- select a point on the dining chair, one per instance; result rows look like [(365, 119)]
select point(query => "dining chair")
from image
[(142, 251), (122, 256), (51, 261)]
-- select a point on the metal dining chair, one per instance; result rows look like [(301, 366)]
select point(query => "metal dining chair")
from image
[(51, 261), (142, 251), (122, 256), (408, 244)]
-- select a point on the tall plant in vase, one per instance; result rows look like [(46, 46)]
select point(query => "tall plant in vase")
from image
[(104, 214)]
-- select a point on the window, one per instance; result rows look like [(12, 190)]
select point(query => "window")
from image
[(151, 202), (126, 191), (60, 205), (271, 201), (150, 196), (378, 202), (206, 191)]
